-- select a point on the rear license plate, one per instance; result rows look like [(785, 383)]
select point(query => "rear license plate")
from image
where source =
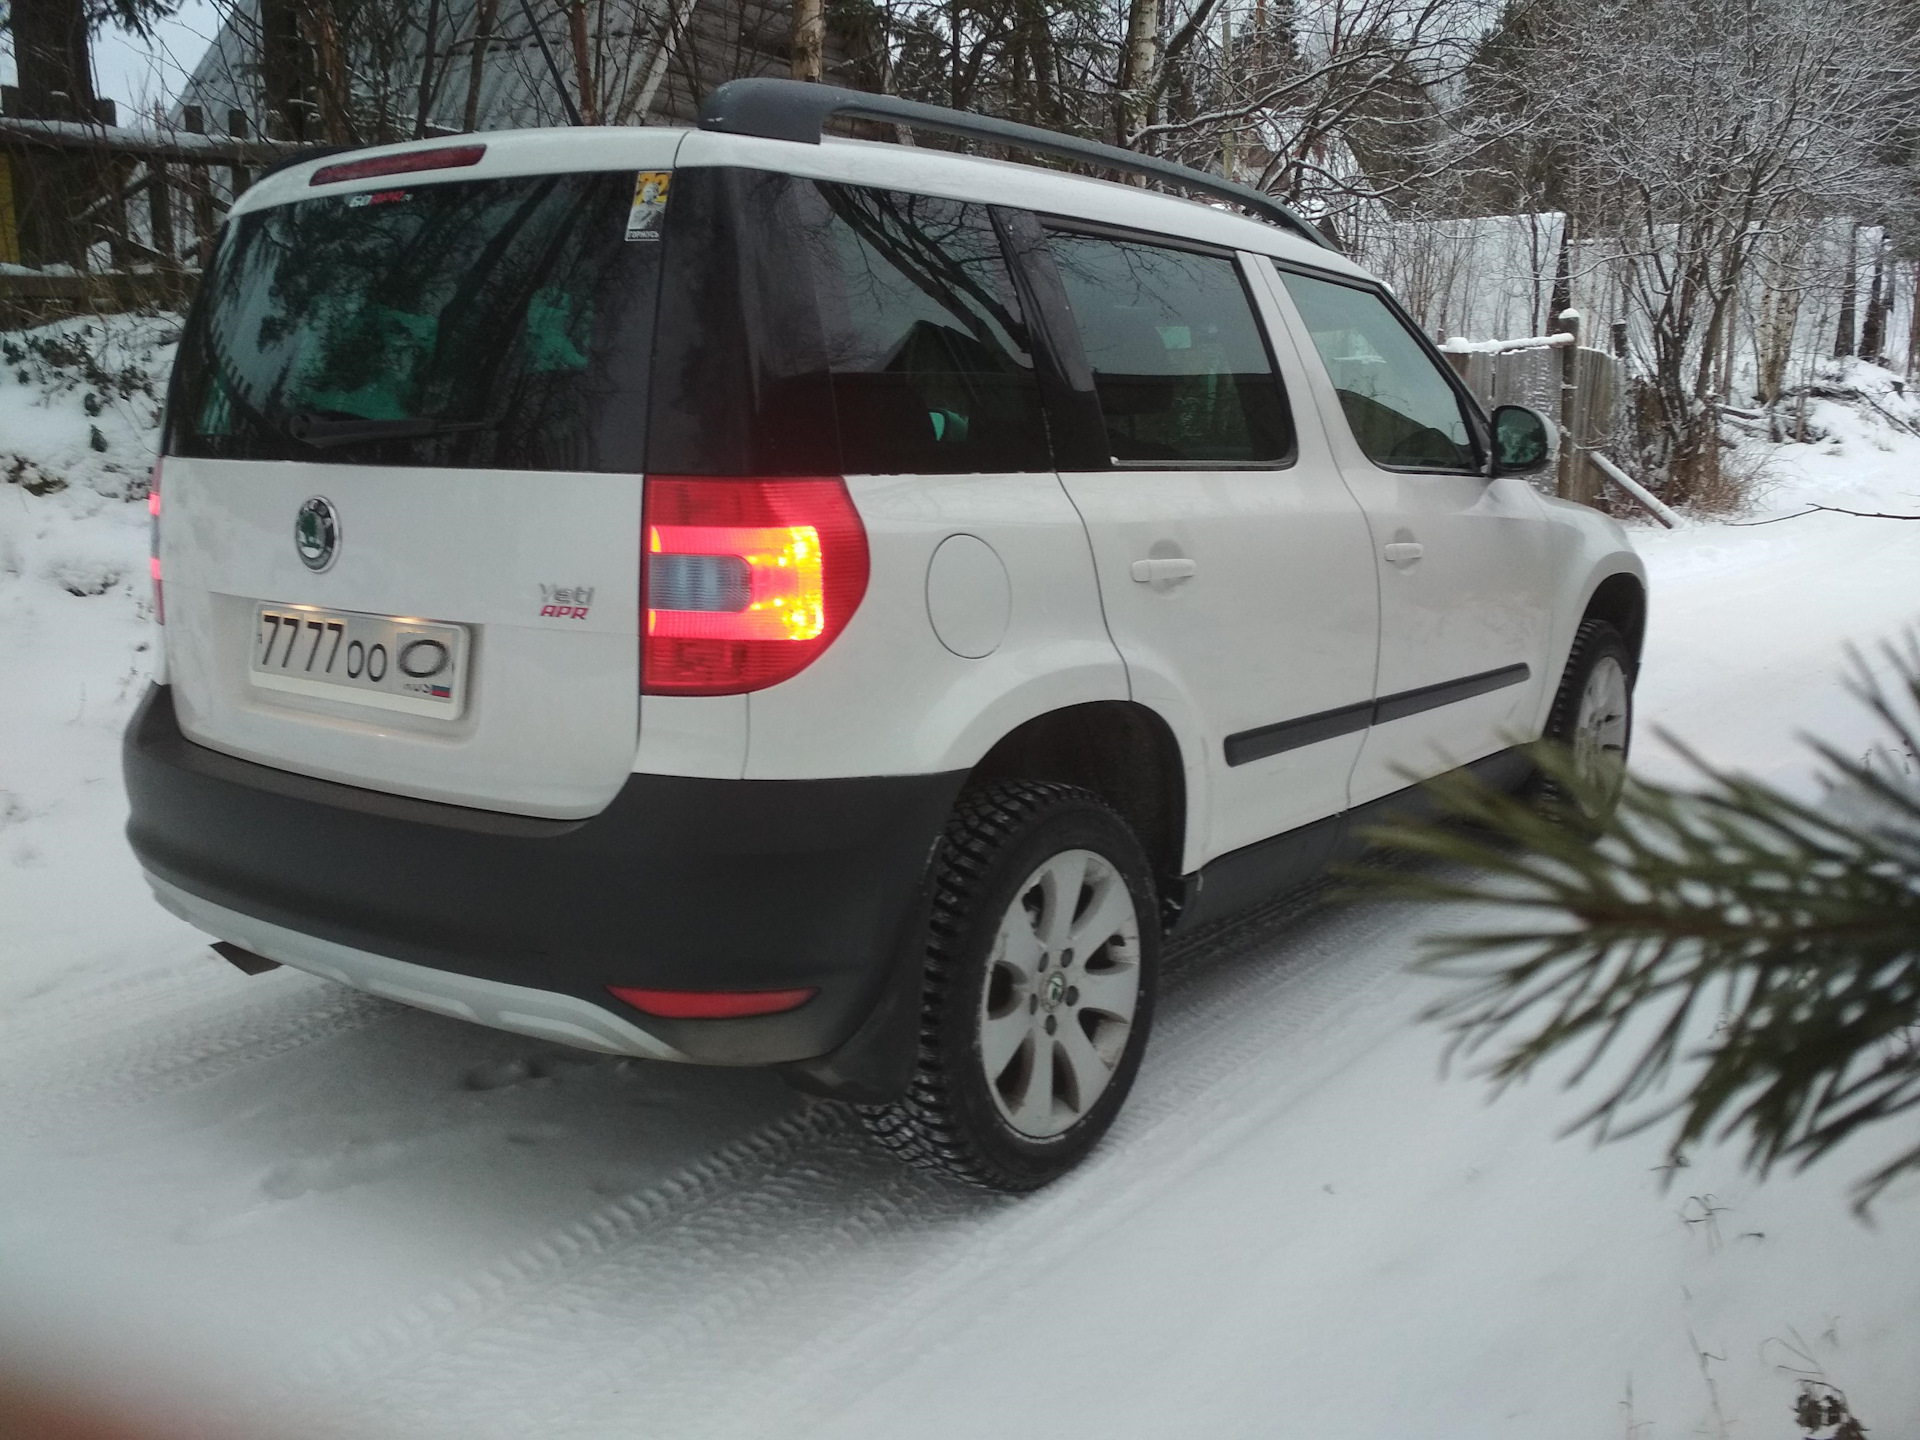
[(385, 661)]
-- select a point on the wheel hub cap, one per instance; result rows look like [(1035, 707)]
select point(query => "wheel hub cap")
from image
[(1600, 726), (1063, 983)]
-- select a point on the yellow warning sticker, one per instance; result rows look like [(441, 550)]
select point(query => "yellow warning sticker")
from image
[(649, 204)]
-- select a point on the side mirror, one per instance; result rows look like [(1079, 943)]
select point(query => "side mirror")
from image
[(1524, 440)]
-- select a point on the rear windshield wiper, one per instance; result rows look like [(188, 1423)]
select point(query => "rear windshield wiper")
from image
[(322, 432)]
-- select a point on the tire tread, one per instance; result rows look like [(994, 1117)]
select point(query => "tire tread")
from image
[(923, 1127)]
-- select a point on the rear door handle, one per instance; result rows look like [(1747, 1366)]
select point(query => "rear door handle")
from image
[(1160, 572), (1404, 552)]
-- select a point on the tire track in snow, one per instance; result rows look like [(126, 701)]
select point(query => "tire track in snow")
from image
[(646, 1306), (51, 1078)]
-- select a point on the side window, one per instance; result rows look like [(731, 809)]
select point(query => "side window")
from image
[(925, 342), (1179, 363), (1402, 408)]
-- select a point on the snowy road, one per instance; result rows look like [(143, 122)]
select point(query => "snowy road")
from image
[(299, 1210)]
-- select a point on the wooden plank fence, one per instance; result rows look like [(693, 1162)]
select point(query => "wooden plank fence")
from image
[(1578, 387), (105, 217)]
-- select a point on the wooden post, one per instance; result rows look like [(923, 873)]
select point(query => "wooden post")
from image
[(119, 227), (9, 226), (1571, 483), (237, 129), (195, 123), (160, 208)]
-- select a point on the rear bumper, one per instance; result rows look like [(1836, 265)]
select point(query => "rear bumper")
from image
[(680, 884)]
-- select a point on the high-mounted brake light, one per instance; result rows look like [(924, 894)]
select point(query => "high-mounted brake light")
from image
[(747, 581), (712, 1004), (447, 157), (153, 531)]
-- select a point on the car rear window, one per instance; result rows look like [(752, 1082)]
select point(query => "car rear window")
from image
[(502, 323)]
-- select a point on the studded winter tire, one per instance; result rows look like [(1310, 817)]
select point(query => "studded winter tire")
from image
[(1592, 717), (1041, 958)]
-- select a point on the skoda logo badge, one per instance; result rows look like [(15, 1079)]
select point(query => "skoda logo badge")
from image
[(316, 532)]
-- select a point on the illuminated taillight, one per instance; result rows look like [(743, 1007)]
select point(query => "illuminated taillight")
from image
[(447, 157), (747, 581), (712, 1004), (153, 531)]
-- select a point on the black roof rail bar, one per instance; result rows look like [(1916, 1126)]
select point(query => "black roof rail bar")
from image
[(798, 109)]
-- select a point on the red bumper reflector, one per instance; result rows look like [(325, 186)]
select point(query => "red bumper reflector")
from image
[(712, 1004), (447, 157), (153, 530)]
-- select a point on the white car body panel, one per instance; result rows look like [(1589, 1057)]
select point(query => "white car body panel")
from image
[(1279, 622), (1478, 598), (887, 697), (552, 705)]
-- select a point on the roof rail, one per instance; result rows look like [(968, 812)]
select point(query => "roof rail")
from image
[(797, 109)]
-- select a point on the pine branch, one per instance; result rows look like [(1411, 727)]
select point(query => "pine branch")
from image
[(1768, 947)]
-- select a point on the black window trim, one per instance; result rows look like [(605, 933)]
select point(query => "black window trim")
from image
[(1479, 428), (1107, 231), (1070, 335)]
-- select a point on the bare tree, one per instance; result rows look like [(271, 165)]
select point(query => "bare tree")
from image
[(1700, 134)]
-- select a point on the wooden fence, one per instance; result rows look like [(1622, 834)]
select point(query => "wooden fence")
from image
[(1581, 389), (104, 217), (1574, 385)]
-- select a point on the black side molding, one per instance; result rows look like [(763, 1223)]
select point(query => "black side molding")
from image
[(1448, 692), (1286, 864), (1267, 740), (797, 109)]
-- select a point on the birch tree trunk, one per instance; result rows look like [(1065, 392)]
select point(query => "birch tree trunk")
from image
[(809, 39), (1137, 66)]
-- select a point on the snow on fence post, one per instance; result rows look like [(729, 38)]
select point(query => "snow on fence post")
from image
[(1572, 482)]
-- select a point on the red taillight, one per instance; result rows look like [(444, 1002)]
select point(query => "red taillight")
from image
[(746, 581), (447, 157), (153, 530), (712, 1004)]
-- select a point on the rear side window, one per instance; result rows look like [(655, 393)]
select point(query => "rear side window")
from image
[(809, 328), (1181, 368), (1402, 409), (492, 323), (932, 370)]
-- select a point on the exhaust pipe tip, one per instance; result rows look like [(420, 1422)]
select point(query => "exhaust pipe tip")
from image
[(244, 960)]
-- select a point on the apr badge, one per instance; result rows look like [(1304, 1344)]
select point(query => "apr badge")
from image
[(316, 532)]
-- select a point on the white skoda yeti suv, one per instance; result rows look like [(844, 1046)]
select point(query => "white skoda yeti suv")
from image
[(729, 596)]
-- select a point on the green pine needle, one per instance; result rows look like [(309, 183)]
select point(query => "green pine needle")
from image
[(1771, 943)]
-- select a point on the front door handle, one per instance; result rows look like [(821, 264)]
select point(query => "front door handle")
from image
[(1164, 571), (1404, 552)]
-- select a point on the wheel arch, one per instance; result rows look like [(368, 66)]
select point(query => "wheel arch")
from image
[(1121, 751), (1621, 600)]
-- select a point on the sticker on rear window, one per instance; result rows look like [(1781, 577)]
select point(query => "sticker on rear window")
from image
[(649, 204)]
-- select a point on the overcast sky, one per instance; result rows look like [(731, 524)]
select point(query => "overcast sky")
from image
[(136, 73)]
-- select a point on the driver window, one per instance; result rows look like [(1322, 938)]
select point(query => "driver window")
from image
[(1403, 410)]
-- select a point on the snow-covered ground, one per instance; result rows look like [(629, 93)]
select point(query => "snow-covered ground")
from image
[(272, 1207)]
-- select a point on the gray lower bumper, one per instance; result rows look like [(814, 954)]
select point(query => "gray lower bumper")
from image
[(543, 1014)]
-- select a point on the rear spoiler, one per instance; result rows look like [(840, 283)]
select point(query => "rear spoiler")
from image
[(798, 110)]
